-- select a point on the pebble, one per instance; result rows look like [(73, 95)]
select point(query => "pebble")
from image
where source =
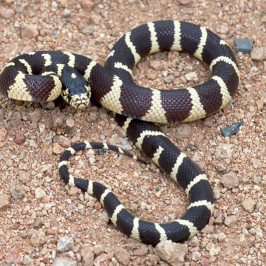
[(92, 117), (195, 255), (35, 116), (256, 163), (20, 138), (214, 250), (95, 18), (242, 238), (230, 180), (141, 250), (24, 177), (156, 65), (6, 13), (64, 262), (101, 152), (231, 130), (258, 53), (17, 192), (38, 239), (49, 106), (86, 31), (102, 137), (221, 236), (248, 205), (191, 76), (87, 255), (194, 242), (224, 151), (4, 202), (217, 193), (151, 76), (57, 149), (230, 220), (223, 29), (62, 141), (185, 2), (102, 259), (29, 31), (38, 223), (3, 134), (259, 232), (104, 13), (122, 255), (87, 5), (252, 231), (169, 79), (243, 45), (28, 260), (208, 122), (66, 13), (74, 191), (70, 122), (219, 219), (98, 250), (184, 131), (39, 194), (47, 168), (145, 206), (172, 253), (125, 144), (54, 4), (208, 229), (64, 244), (104, 217), (256, 179)]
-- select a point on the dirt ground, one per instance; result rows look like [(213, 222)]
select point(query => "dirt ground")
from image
[(44, 222)]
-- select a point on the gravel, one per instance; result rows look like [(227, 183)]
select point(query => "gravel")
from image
[(38, 211), (244, 45)]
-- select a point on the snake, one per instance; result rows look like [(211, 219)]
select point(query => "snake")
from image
[(42, 76)]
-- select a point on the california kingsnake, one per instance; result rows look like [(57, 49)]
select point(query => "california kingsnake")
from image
[(113, 87)]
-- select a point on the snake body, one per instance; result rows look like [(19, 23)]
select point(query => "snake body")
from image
[(113, 87)]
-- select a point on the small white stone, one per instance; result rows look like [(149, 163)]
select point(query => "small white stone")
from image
[(191, 76), (169, 79), (64, 244), (39, 193), (70, 122), (248, 205), (54, 4), (64, 262), (258, 53), (172, 253)]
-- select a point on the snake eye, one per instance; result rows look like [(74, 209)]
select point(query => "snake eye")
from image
[(88, 89)]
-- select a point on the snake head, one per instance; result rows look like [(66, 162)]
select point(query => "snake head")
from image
[(76, 90)]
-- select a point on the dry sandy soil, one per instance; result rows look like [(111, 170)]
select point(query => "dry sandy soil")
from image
[(42, 221)]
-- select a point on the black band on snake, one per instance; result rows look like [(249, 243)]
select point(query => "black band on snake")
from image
[(43, 76)]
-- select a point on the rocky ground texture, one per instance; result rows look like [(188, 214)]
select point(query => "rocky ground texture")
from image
[(44, 222)]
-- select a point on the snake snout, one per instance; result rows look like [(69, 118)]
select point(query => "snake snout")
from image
[(81, 100)]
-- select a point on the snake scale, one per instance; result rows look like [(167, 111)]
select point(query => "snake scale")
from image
[(44, 75)]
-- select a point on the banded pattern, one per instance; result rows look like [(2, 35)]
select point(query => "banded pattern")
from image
[(167, 156), (113, 87), (182, 105), (95, 145)]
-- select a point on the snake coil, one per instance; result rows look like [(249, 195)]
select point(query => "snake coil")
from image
[(44, 75)]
